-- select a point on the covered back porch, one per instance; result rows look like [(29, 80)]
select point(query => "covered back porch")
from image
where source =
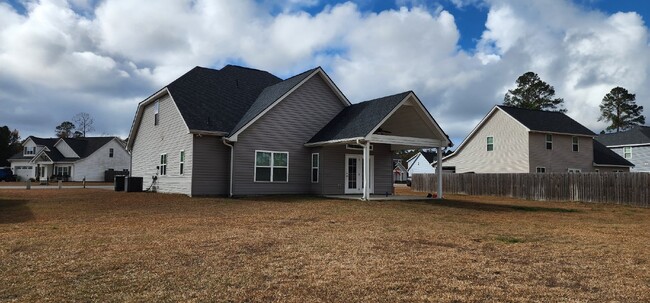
[(398, 122)]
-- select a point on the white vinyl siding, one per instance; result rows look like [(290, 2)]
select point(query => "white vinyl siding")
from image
[(511, 156), (169, 138), (93, 167), (315, 164), (271, 166)]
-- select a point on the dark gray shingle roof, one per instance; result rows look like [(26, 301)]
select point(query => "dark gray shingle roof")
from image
[(216, 100), (635, 135), (546, 121), (429, 156), (270, 95), (358, 120), (83, 147), (605, 156)]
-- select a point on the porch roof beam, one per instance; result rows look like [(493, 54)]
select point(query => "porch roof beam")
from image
[(408, 141)]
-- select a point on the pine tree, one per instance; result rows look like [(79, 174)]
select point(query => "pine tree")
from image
[(619, 108), (533, 93)]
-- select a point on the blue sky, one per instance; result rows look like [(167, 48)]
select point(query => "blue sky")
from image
[(460, 56)]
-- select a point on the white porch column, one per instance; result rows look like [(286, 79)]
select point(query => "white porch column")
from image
[(439, 172), (366, 171)]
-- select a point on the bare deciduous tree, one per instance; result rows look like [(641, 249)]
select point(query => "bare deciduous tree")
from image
[(84, 123)]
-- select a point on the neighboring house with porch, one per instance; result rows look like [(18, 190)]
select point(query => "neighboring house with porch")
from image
[(400, 173), (632, 144), (71, 158), (516, 140), (242, 131), (420, 163)]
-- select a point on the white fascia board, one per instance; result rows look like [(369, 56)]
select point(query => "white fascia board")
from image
[(233, 137), (411, 141), (207, 133), (140, 111), (409, 159), (337, 141), (610, 165), (628, 145), (42, 152)]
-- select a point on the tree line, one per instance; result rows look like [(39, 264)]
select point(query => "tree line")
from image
[(618, 107)]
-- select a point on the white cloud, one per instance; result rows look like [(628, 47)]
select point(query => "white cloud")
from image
[(64, 57)]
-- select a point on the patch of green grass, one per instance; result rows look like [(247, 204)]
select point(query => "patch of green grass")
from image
[(509, 239), (548, 209)]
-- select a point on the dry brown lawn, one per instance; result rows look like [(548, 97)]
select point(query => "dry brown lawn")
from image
[(98, 245)]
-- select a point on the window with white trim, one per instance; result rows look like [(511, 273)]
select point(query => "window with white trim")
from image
[(315, 164), (110, 153), (575, 143), (29, 150), (181, 167), (271, 166), (574, 170), (163, 165), (541, 170), (62, 170), (156, 109), (627, 152), (490, 143), (549, 141)]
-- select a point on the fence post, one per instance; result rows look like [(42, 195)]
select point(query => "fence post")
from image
[(28, 184), (60, 184)]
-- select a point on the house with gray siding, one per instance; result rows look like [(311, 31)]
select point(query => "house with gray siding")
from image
[(632, 144), (241, 131), (73, 159), (516, 140)]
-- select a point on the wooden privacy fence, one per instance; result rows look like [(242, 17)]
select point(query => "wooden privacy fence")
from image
[(618, 188)]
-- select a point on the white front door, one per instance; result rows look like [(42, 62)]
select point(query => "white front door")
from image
[(354, 174)]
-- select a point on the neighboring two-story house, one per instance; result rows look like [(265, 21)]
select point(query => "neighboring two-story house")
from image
[(242, 131), (516, 140), (75, 158), (632, 144)]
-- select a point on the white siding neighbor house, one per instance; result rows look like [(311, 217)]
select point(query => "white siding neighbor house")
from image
[(242, 131), (73, 159), (421, 163), (516, 140), (632, 144)]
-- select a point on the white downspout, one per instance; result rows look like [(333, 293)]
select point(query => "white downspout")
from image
[(366, 171), (232, 152), (439, 172)]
